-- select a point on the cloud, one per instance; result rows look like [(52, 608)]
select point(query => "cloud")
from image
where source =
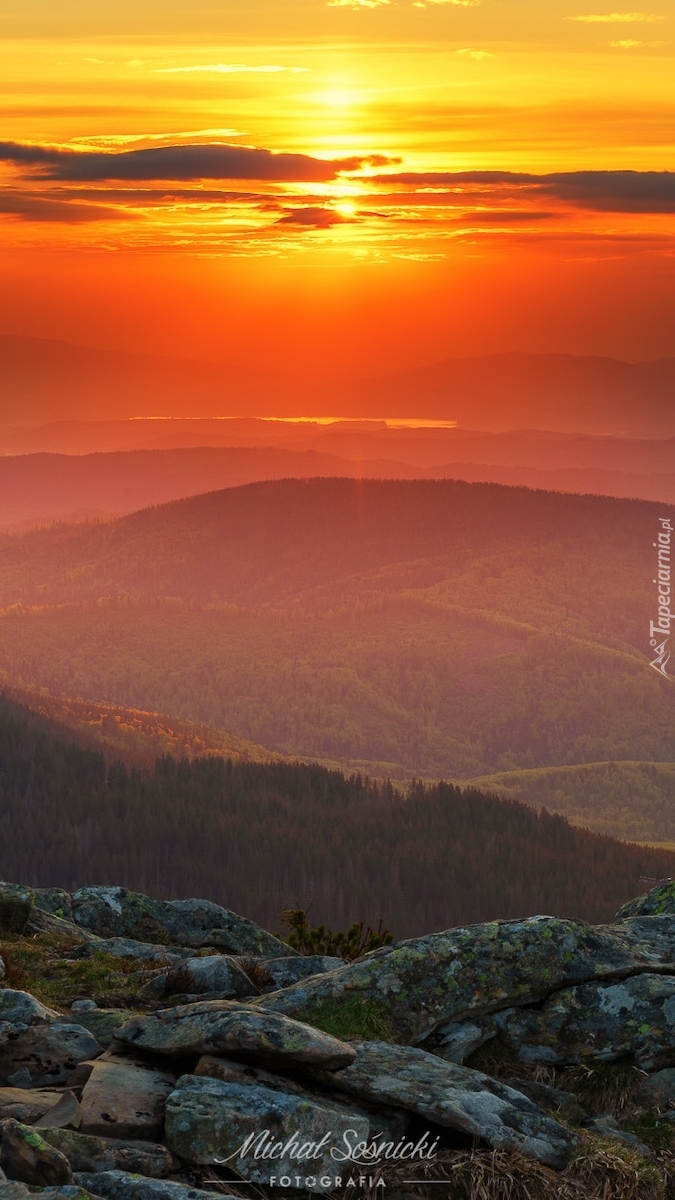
[(312, 218), (608, 191), (228, 69), (477, 55), (28, 207), (615, 18), (629, 43), (202, 161), (357, 3)]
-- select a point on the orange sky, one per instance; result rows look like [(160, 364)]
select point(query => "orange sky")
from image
[(339, 187)]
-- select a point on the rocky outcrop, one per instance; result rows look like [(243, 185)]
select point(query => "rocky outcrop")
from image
[(341, 1069), (417, 985), (116, 912)]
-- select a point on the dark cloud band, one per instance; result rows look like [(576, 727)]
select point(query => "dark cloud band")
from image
[(214, 161)]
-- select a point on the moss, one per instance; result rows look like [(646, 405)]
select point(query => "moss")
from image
[(351, 1016)]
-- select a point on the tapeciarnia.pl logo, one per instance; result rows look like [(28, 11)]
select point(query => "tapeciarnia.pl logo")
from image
[(659, 630)]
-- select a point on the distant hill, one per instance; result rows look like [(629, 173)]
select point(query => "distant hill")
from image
[(429, 629), (42, 381), (40, 488), (631, 800), (258, 837)]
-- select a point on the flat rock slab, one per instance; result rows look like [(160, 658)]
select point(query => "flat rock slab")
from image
[(458, 1098), (417, 985), (117, 912), (121, 1185), (26, 1104), (225, 1027), (49, 1053), (85, 1152), (103, 1023), (121, 947), (262, 1133), (633, 1017), (125, 1098), (25, 1156)]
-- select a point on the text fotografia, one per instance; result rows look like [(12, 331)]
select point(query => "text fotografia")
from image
[(659, 630)]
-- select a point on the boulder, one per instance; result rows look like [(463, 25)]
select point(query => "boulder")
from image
[(216, 974), (658, 1090), (103, 1023), (456, 1097), (598, 1021), (50, 1053), (122, 1185), (26, 1157), (413, 987), (85, 1152), (237, 1030), (54, 901), (15, 907), (20, 1008), (269, 975), (655, 902), (125, 1098), (117, 912), (262, 1133)]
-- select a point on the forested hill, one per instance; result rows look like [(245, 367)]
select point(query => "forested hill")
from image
[(427, 628), (268, 543), (259, 837)]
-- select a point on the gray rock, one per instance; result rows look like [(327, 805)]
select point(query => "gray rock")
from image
[(125, 1098), (2, 969), (415, 986), (44, 922), (598, 1021), (117, 912), (563, 1104), (458, 1098), (50, 1053), (214, 1120), (83, 1006), (86, 1152), (54, 901), (238, 1030), (216, 973), (26, 1157), (121, 1185), (15, 907), (457, 1041), (609, 1129), (20, 1079), (658, 1091), (20, 1008), (103, 1023), (269, 975)]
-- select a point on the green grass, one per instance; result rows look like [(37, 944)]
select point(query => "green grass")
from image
[(353, 1017), (43, 966)]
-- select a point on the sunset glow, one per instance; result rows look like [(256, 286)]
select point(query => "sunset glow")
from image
[(251, 179)]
